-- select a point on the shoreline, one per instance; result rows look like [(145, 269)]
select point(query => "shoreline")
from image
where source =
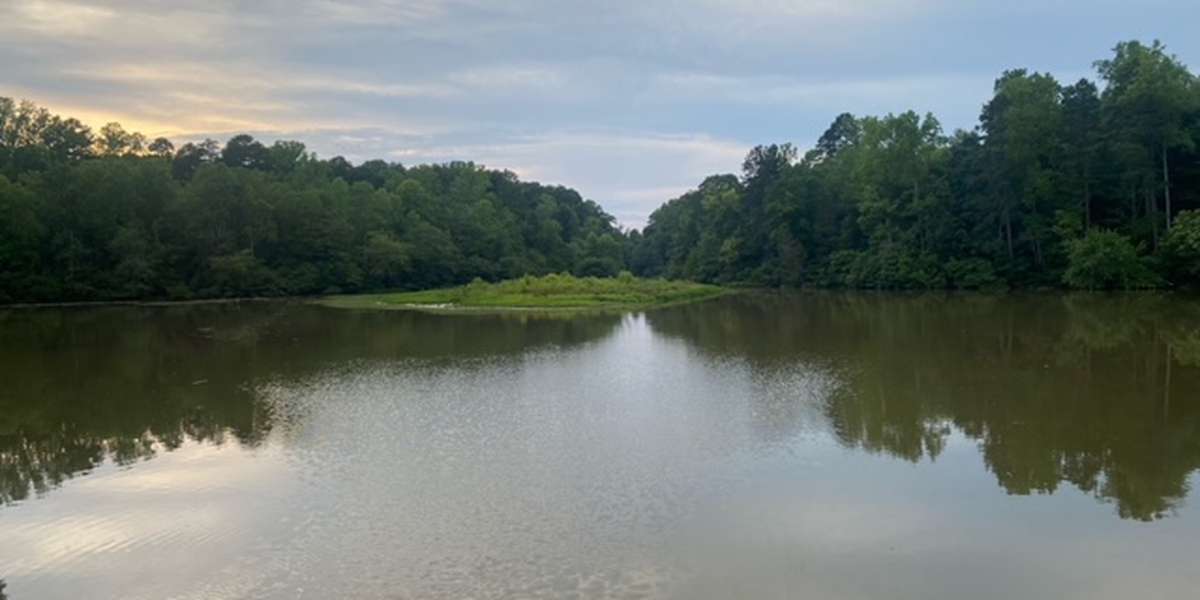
[(156, 303), (458, 309), (330, 301)]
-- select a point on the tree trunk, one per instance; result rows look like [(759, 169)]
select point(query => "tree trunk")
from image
[(1008, 232), (71, 256), (1087, 200), (1166, 177), (1132, 202), (1152, 214)]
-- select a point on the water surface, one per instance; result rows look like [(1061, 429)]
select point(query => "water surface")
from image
[(770, 446)]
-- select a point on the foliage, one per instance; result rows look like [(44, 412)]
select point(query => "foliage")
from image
[(549, 291), (1183, 248), (885, 267), (105, 216), (971, 274), (894, 202), (888, 202), (1105, 259)]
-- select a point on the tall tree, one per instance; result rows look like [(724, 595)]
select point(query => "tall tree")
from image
[(1148, 96), (1082, 140), (1022, 125)]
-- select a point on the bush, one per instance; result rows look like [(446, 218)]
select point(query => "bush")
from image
[(972, 274), (240, 274), (597, 267), (477, 287), (885, 267), (1105, 260), (179, 291), (300, 279), (386, 259), (1182, 248)]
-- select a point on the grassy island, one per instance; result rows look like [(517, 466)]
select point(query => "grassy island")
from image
[(546, 292)]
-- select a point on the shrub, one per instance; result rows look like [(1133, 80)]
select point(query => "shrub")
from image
[(597, 267), (300, 279), (885, 267), (1182, 248), (179, 291), (386, 259), (972, 274), (476, 287), (1103, 260), (241, 274)]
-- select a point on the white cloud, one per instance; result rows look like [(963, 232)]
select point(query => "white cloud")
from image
[(376, 12), (776, 90), (492, 77), (105, 26), (629, 173), (625, 100), (54, 17), (260, 79)]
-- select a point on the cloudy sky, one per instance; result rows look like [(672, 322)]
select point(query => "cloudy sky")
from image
[(629, 102)]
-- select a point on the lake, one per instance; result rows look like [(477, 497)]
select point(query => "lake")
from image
[(811, 445)]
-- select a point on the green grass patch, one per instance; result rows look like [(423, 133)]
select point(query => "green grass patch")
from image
[(547, 292)]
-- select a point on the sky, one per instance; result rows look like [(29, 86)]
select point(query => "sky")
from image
[(631, 103)]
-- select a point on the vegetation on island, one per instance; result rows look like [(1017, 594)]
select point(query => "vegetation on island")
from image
[(554, 291), (1082, 185)]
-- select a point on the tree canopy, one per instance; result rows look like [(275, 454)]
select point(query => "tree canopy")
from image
[(108, 215), (1059, 184), (1091, 185)]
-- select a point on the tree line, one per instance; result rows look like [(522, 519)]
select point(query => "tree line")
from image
[(1080, 185), (1083, 185), (111, 215)]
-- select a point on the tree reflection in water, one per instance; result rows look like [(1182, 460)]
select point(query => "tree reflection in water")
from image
[(1096, 391), (1099, 392), (120, 384)]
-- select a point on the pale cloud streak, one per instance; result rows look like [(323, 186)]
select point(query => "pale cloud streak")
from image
[(650, 168), (628, 101)]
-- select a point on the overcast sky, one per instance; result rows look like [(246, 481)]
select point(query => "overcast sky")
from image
[(631, 103)]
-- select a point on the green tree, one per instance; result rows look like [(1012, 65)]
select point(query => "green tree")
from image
[(115, 141), (161, 147), (1082, 141), (1148, 97), (191, 156), (1023, 128), (386, 258), (21, 232), (1105, 259), (1183, 248), (246, 152)]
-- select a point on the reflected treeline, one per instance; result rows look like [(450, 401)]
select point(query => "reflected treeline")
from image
[(85, 386), (1098, 391)]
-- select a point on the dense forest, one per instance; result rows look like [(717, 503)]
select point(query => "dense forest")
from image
[(112, 215), (1083, 185)]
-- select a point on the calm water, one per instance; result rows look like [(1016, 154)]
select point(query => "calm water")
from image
[(769, 446)]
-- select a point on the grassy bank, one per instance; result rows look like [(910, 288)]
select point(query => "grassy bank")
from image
[(548, 292)]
